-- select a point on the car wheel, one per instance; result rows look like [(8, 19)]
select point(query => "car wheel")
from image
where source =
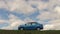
[(38, 28), (21, 28)]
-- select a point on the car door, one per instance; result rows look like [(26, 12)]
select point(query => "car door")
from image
[(33, 25), (28, 26)]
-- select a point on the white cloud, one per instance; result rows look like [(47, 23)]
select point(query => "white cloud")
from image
[(14, 22), (25, 7), (28, 20), (54, 22), (2, 4), (22, 6), (42, 6), (19, 5), (57, 9), (48, 27), (53, 25), (3, 21), (44, 16)]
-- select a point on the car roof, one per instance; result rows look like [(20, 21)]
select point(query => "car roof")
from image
[(31, 22)]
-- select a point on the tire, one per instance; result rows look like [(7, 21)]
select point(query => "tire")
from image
[(21, 29), (38, 28)]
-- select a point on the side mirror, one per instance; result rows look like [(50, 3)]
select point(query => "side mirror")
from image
[(25, 24), (31, 23)]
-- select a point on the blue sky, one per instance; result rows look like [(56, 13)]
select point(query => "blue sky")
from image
[(4, 14), (13, 12)]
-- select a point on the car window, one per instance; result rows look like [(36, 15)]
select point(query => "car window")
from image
[(33, 23), (27, 24)]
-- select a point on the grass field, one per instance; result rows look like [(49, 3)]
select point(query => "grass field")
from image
[(29, 32)]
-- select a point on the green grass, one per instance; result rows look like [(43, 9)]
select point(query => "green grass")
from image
[(29, 32)]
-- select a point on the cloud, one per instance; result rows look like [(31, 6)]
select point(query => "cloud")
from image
[(14, 22), (48, 27), (28, 20), (53, 19), (19, 5), (53, 25), (2, 21), (52, 16), (2, 4), (22, 6), (57, 9)]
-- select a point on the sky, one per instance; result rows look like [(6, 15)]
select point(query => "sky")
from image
[(17, 12)]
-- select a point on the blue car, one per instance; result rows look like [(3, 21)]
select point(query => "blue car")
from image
[(31, 26)]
